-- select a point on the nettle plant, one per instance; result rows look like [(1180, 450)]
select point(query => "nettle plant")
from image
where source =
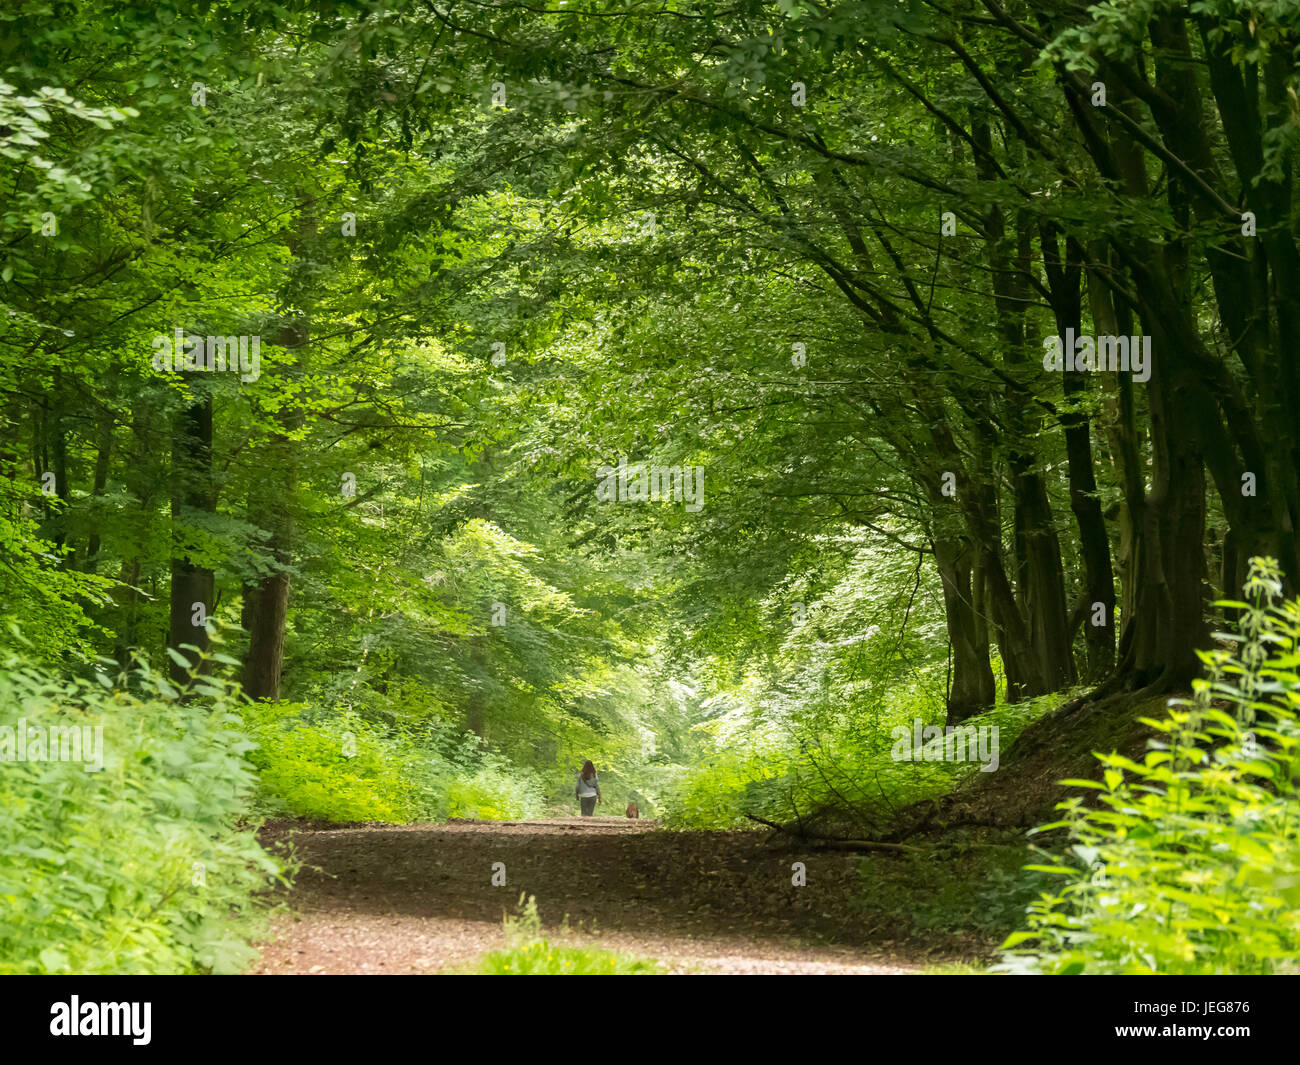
[(142, 860), (1191, 862)]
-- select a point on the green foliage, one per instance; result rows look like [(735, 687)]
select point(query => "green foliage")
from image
[(842, 770), (961, 891), (542, 958), (798, 319), (956, 968), (143, 865), (530, 953), (47, 600), (1190, 862), (339, 767)]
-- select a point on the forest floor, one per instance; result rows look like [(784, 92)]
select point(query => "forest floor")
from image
[(419, 898)]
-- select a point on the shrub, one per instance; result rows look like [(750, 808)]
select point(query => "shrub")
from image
[(1191, 862), (541, 958), (529, 953), (339, 767), (846, 775), (139, 866)]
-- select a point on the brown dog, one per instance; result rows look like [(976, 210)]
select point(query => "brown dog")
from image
[(632, 811)]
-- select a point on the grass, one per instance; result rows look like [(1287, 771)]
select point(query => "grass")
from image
[(543, 958), (955, 968), (529, 953), (964, 893)]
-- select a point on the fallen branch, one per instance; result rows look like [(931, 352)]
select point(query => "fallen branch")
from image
[(857, 845), (831, 843)]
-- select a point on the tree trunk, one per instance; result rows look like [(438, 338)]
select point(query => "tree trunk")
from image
[(266, 602), (103, 458), (1094, 544), (191, 583), (973, 688)]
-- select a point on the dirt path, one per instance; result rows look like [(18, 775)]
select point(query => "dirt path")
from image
[(420, 898)]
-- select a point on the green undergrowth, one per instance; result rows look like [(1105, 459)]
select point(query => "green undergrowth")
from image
[(962, 894), (543, 958), (846, 778), (529, 952), (956, 968), (340, 767), (1189, 861), (129, 850)]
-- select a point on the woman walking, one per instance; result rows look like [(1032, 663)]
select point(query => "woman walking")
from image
[(588, 789)]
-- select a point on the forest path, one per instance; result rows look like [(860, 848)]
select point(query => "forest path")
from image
[(419, 898)]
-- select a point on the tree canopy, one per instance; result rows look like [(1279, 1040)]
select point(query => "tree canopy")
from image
[(665, 383)]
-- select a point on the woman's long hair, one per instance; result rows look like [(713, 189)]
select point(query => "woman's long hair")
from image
[(588, 770)]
